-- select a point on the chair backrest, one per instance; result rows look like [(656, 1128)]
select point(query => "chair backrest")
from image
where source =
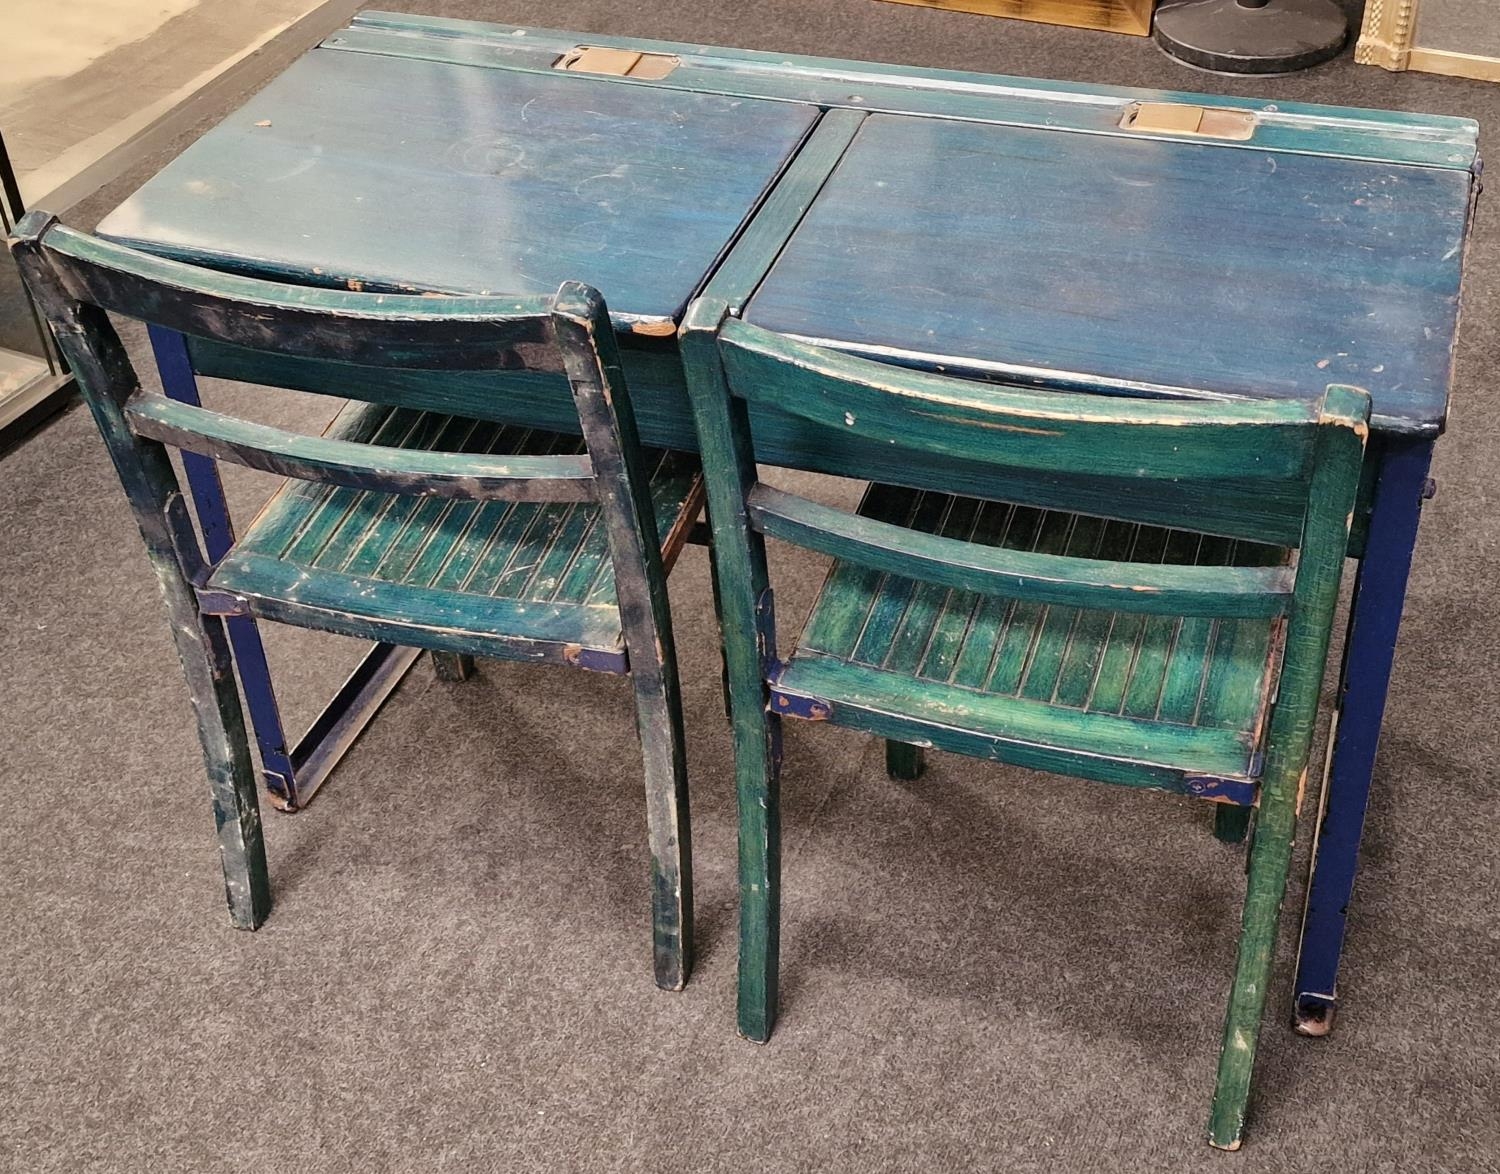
[(1306, 454), (79, 280)]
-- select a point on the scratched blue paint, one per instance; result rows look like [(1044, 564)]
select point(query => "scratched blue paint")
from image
[(1375, 622), (394, 172), (1428, 139), (1171, 264), (179, 382)]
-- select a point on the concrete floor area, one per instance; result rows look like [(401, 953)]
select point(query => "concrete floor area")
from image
[(77, 78)]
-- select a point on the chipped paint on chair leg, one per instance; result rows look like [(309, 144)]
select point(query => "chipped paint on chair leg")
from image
[(591, 358), (1270, 859), (747, 626)]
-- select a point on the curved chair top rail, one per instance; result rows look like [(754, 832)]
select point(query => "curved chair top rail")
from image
[(411, 331), (80, 279), (1043, 431)]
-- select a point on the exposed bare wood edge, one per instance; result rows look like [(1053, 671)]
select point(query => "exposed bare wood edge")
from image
[(654, 327), (1240, 592), (1040, 406), (1062, 380), (1452, 64), (360, 466)]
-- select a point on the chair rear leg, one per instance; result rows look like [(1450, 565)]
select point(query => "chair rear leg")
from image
[(1231, 823), (757, 736), (1270, 860), (203, 648), (669, 826), (903, 761), (452, 666)]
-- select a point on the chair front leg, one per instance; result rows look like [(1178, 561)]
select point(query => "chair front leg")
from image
[(903, 761), (231, 776), (203, 649), (1231, 823), (1270, 860), (452, 666), (669, 829), (757, 736)]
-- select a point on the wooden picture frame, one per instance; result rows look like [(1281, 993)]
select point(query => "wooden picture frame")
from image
[(1424, 35)]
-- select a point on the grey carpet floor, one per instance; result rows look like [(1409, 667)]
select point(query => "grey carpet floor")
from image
[(986, 970)]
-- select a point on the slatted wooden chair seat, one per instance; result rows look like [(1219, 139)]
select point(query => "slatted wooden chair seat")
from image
[(537, 575), (1183, 696)]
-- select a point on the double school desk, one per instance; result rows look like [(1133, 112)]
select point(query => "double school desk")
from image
[(1142, 243)]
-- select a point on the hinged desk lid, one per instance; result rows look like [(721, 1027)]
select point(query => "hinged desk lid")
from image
[(394, 172), (1049, 254)]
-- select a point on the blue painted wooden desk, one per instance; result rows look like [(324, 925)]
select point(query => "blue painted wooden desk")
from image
[(834, 200)]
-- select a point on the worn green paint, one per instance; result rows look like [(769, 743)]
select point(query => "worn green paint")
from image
[(1021, 631), (312, 458), (98, 360), (1041, 431), (566, 542), (1341, 440), (745, 624), (1072, 580), (537, 574), (1037, 734), (904, 761)]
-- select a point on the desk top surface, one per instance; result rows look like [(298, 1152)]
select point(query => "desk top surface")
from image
[(1037, 255), (388, 173), (998, 225)]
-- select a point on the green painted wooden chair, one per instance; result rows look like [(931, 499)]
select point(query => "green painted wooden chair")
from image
[(403, 523), (1129, 649)]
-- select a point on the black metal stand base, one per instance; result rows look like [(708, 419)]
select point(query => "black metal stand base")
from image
[(1232, 36)]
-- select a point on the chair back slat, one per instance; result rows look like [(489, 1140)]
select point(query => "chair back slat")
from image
[(404, 331), (1065, 581), (360, 466), (1019, 428), (80, 280)]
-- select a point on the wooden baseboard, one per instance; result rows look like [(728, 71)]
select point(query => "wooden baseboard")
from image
[(1115, 16)]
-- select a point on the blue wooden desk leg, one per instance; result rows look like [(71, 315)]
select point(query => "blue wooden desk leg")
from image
[(292, 776), (1374, 622)]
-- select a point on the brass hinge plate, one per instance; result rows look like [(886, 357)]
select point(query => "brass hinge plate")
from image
[(617, 62), (1204, 122)]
